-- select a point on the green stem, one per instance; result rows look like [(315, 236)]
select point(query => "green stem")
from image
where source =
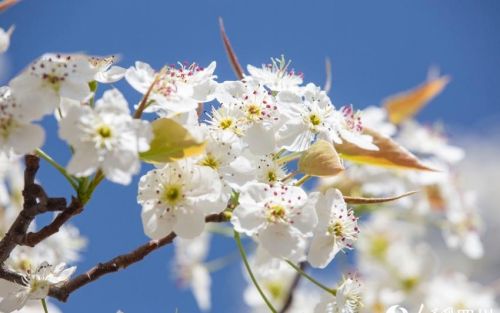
[(44, 304), (302, 180), (312, 280), (250, 273), (62, 170), (86, 190), (289, 157), (217, 264)]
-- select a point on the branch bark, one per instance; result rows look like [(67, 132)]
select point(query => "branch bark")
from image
[(63, 292), (31, 192), (33, 238)]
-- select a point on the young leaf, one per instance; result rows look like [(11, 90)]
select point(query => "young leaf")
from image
[(320, 159), (403, 106), (362, 200), (171, 142), (390, 154), (5, 4)]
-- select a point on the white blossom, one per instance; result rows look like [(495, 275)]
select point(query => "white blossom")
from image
[(17, 133), (177, 198), (5, 38), (276, 76), (39, 87), (176, 89), (337, 227), (107, 72), (276, 214), (190, 270), (105, 137), (347, 298), (38, 282)]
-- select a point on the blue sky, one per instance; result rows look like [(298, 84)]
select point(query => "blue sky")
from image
[(377, 48)]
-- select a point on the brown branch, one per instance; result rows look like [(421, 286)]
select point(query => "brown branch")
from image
[(33, 238), (12, 276), (31, 193), (120, 262)]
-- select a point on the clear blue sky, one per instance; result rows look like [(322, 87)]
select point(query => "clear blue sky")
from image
[(377, 48)]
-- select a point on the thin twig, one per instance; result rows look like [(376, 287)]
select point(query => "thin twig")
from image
[(233, 59), (120, 262), (291, 290), (33, 238)]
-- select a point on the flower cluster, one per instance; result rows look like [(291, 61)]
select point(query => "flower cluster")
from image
[(247, 152)]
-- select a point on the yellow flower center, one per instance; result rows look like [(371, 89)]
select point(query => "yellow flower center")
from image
[(226, 123), (272, 176), (253, 110), (276, 212), (379, 246), (275, 289), (314, 119), (336, 229), (104, 131), (172, 194), (409, 283), (210, 161)]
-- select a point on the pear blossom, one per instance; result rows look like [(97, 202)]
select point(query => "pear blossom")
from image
[(38, 282), (455, 291), (257, 115), (227, 159), (5, 38), (311, 116), (276, 215), (105, 137), (268, 169), (39, 88), (276, 75), (106, 71), (177, 198), (190, 270), (275, 285), (17, 133), (461, 229), (337, 227), (177, 89), (347, 298), (429, 141)]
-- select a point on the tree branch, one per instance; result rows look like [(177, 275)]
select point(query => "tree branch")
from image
[(120, 262), (33, 238), (31, 193)]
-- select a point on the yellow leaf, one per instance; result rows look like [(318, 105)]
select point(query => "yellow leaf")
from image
[(171, 142), (362, 200), (403, 106), (390, 154), (320, 159)]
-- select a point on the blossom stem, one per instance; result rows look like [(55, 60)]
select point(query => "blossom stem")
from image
[(302, 180), (289, 157), (44, 305), (250, 273), (57, 166), (311, 279), (145, 99), (87, 191)]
